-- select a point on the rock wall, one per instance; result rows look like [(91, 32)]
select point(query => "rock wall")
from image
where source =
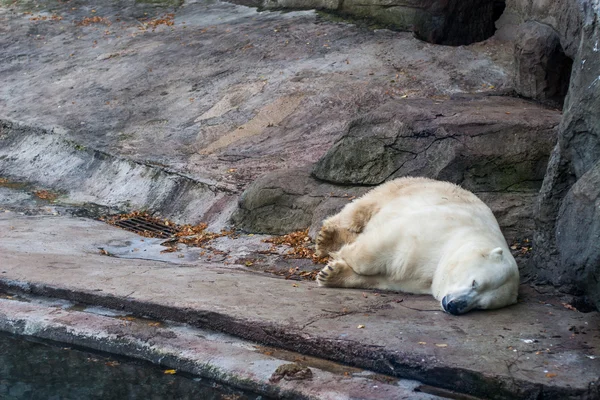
[(451, 22), (563, 16), (567, 236)]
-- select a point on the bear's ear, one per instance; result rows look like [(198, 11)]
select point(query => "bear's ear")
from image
[(496, 254)]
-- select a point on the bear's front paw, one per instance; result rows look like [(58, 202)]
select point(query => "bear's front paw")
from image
[(334, 274)]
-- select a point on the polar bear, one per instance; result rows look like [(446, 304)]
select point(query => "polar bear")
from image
[(422, 236)]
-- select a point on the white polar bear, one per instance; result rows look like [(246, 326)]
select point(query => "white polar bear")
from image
[(418, 235)]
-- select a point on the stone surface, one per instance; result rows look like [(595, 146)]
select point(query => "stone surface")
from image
[(537, 348), (483, 143), (289, 200), (47, 158), (195, 111), (564, 16), (578, 235), (542, 69), (441, 22), (576, 154)]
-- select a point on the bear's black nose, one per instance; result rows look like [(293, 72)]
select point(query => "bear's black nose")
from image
[(454, 307)]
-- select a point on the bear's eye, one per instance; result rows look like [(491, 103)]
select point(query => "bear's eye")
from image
[(474, 284)]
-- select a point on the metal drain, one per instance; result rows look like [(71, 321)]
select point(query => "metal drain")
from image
[(146, 227)]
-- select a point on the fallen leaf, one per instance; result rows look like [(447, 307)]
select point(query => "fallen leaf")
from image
[(360, 327), (422, 342), (441, 345), (295, 285), (550, 375), (170, 371)]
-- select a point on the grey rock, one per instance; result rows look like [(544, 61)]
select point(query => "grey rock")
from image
[(578, 236), (574, 159), (542, 68), (564, 16), (454, 22), (495, 144), (301, 4), (289, 200)]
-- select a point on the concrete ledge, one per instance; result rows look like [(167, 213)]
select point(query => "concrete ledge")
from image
[(534, 349), (211, 355)]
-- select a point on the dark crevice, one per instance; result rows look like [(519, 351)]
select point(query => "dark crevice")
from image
[(558, 76), (498, 9)]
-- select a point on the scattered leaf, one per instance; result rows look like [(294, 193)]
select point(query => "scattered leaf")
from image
[(361, 327), (550, 375), (45, 195), (170, 371), (93, 20), (422, 342), (441, 345)]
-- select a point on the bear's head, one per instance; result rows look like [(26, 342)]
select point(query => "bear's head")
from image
[(479, 280)]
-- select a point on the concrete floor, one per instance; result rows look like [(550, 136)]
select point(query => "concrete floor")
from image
[(536, 348)]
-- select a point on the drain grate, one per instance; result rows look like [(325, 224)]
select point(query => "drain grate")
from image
[(146, 227)]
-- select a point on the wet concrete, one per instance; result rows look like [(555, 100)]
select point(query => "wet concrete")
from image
[(534, 349), (181, 349), (37, 369)]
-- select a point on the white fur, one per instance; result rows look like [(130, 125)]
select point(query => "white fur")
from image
[(418, 235)]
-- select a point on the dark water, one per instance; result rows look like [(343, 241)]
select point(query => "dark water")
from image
[(35, 370)]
